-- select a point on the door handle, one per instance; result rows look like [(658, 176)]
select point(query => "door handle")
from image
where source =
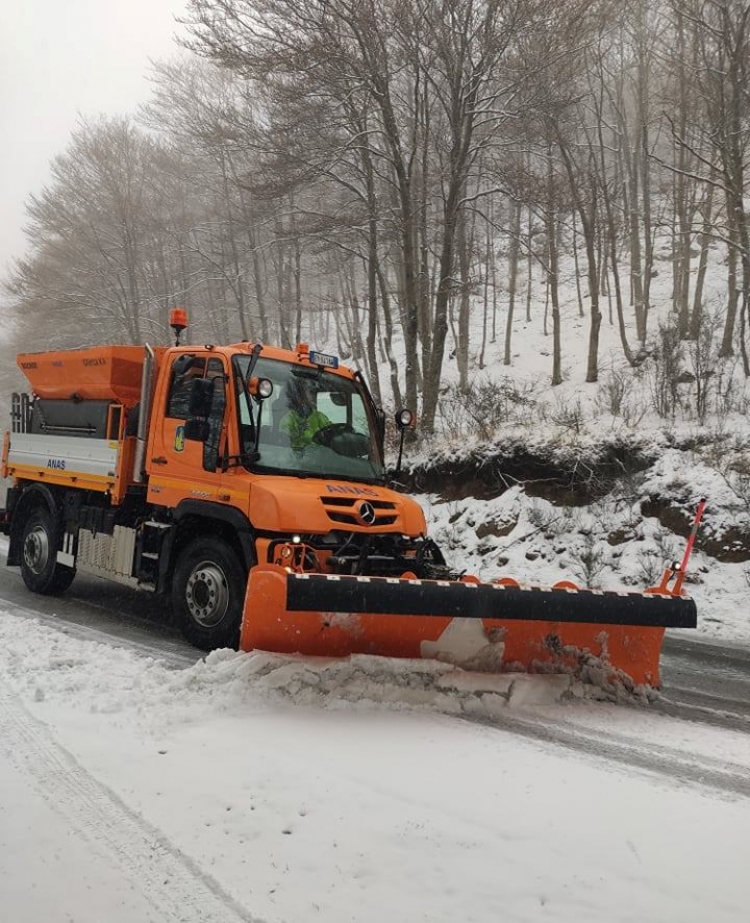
[(161, 460)]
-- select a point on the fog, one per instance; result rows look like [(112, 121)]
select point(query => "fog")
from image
[(60, 61)]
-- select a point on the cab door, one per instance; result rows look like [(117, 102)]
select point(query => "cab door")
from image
[(182, 468)]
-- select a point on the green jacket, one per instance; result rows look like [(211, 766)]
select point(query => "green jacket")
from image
[(301, 429)]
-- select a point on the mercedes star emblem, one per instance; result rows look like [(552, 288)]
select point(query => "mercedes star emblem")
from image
[(367, 513)]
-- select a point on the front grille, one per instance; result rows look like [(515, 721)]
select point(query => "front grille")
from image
[(344, 510)]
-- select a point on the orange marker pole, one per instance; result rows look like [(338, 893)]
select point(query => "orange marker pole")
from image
[(691, 541)]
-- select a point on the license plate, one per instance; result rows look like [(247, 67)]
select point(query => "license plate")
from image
[(330, 362)]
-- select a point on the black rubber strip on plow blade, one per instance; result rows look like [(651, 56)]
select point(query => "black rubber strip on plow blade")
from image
[(380, 596)]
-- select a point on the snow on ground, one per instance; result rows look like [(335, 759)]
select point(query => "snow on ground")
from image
[(609, 544), (625, 401), (47, 872), (291, 789)]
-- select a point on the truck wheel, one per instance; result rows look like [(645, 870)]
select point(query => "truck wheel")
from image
[(39, 568), (208, 592)]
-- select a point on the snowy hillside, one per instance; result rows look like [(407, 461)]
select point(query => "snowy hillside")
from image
[(605, 488)]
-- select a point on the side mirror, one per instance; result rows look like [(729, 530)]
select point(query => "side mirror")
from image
[(196, 430), (201, 396)]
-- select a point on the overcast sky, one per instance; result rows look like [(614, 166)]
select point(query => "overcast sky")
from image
[(62, 58)]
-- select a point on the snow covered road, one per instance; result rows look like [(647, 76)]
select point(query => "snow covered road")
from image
[(122, 862), (706, 681), (255, 787)]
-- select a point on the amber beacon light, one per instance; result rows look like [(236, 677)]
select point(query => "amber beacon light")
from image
[(178, 321)]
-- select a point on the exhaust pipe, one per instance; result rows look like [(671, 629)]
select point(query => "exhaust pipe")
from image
[(144, 414)]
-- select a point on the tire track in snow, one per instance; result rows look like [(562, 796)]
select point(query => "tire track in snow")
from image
[(172, 654), (705, 681), (705, 772), (704, 707), (178, 889)]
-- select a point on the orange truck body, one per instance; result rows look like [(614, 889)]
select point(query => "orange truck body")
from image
[(296, 549)]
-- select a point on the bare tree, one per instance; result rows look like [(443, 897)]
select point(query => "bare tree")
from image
[(718, 140), (91, 232)]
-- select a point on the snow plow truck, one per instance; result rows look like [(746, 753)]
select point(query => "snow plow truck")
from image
[(247, 484)]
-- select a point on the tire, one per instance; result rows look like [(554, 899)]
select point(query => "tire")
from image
[(208, 593), (39, 568)]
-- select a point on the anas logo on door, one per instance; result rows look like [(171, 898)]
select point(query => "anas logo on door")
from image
[(179, 438)]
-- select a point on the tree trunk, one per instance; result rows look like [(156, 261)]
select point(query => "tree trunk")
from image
[(733, 294), (444, 293), (462, 339), (705, 241), (552, 275), (388, 339), (514, 248)]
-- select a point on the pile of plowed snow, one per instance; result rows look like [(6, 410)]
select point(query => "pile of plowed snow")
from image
[(226, 679)]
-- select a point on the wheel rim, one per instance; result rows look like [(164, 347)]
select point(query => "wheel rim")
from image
[(36, 550), (207, 594)]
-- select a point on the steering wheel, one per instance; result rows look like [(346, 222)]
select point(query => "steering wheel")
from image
[(343, 440), (327, 433)]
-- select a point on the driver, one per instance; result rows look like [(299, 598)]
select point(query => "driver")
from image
[(303, 420)]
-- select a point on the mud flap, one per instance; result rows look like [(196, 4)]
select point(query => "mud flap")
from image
[(474, 625)]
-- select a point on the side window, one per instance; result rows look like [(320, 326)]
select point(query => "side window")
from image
[(341, 407), (360, 422), (184, 370), (215, 372), (333, 405)]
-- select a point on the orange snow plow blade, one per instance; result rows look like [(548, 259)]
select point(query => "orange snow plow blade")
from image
[(492, 627)]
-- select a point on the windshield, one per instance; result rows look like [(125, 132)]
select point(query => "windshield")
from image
[(314, 423)]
